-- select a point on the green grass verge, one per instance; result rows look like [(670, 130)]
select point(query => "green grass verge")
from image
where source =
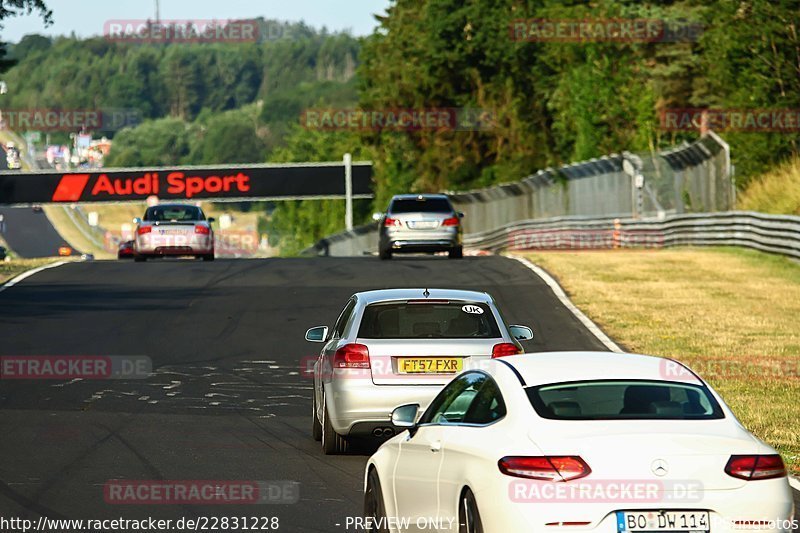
[(15, 267)]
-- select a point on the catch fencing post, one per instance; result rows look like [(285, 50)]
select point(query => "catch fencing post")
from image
[(348, 191)]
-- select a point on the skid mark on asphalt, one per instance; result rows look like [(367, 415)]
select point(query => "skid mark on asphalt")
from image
[(261, 388)]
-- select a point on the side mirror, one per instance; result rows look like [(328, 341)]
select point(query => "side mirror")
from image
[(521, 333), (405, 416), (460, 214), (377, 216), (317, 334), (137, 220), (211, 219)]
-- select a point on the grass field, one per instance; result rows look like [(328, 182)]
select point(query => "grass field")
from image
[(732, 315), (72, 234), (17, 266), (776, 192)]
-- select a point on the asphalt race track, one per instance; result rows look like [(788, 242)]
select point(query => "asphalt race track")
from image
[(30, 234), (227, 400)]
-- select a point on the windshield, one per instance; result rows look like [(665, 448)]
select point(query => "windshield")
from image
[(446, 320), (174, 213), (423, 205), (620, 400)]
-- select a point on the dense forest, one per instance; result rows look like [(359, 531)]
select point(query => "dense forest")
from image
[(551, 102)]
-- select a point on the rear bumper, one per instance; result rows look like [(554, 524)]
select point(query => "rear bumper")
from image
[(357, 406), (758, 501), (194, 245), (406, 240)]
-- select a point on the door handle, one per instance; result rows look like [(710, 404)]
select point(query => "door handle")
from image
[(436, 446)]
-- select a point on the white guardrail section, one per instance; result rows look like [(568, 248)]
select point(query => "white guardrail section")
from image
[(778, 234), (769, 233)]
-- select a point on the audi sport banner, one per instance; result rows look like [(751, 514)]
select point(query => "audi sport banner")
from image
[(189, 183)]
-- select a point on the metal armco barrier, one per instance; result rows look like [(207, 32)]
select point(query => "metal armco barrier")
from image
[(241, 182), (778, 234)]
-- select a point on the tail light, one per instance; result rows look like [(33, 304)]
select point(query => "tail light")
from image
[(452, 221), (351, 356), (392, 223), (752, 467), (504, 349), (201, 230), (550, 468), (142, 230)]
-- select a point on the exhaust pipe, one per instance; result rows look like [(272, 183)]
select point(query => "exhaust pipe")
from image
[(382, 432), (377, 432)]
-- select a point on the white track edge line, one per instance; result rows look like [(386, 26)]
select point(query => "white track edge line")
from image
[(564, 299), (28, 273), (795, 483)]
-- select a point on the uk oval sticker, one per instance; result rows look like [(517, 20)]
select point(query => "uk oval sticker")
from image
[(472, 309)]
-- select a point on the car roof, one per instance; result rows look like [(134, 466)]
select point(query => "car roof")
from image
[(558, 367), (370, 297), (173, 205), (415, 196)]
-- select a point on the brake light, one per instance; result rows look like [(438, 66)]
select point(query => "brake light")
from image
[(141, 230), (551, 468), (504, 349), (392, 222), (452, 221), (202, 230), (752, 467), (351, 356)]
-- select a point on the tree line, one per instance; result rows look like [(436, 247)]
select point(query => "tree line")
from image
[(551, 101)]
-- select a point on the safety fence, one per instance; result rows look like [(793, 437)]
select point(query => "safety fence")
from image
[(689, 178)]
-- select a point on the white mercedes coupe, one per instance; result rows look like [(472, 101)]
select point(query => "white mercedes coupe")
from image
[(577, 442)]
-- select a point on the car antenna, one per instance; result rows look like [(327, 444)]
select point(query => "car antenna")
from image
[(426, 293)]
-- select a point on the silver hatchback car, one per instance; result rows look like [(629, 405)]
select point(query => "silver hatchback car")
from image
[(398, 346), (420, 223)]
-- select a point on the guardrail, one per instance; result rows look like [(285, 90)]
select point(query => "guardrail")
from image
[(769, 233), (360, 240), (779, 234)]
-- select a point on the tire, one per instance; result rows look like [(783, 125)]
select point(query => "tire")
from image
[(469, 519), (385, 253), (316, 427), (373, 504), (209, 257), (332, 442), (456, 253), (140, 258)]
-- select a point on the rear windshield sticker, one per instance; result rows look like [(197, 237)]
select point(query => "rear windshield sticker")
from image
[(472, 309)]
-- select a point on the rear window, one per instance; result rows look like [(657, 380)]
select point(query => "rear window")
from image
[(424, 205), (177, 213), (435, 320), (621, 400)]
